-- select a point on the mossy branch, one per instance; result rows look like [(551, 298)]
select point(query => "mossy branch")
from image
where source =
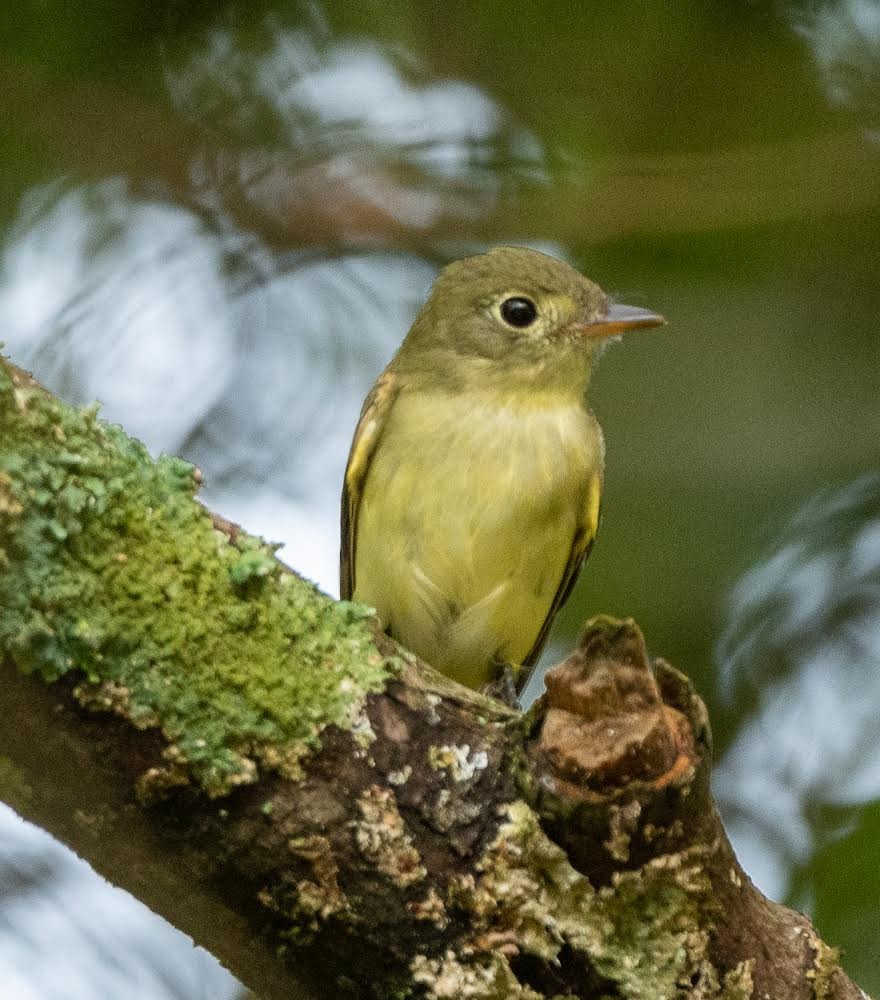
[(324, 812)]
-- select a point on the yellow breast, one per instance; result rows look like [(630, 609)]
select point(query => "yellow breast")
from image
[(469, 512)]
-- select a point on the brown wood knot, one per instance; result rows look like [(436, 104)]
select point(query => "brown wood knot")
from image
[(605, 723)]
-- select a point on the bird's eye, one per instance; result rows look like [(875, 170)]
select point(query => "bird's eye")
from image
[(519, 311)]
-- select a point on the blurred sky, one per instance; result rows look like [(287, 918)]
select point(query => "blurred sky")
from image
[(220, 221)]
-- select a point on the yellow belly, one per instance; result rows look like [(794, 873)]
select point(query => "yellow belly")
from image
[(466, 524)]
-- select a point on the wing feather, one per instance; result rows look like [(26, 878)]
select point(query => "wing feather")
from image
[(582, 543), (371, 424)]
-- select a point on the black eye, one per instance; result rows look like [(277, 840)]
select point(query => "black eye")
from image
[(519, 311)]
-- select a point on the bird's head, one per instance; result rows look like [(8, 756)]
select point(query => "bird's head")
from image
[(520, 310)]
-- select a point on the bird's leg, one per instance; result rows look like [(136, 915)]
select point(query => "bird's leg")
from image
[(503, 687)]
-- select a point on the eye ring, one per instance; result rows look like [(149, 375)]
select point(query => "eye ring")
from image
[(518, 311)]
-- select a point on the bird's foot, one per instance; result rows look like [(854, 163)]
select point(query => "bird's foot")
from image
[(503, 688)]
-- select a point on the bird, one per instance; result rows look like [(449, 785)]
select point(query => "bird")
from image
[(472, 492)]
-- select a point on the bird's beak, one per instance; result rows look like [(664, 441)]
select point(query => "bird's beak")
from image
[(620, 318)]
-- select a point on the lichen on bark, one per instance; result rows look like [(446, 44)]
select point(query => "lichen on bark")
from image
[(109, 566), (644, 936)]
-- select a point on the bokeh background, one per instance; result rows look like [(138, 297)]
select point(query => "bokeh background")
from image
[(219, 219)]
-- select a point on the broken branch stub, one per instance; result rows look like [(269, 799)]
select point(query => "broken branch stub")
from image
[(622, 763)]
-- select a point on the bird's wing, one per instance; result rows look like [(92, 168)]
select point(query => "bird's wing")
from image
[(582, 543), (372, 421)]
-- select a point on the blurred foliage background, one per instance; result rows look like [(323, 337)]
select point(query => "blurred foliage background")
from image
[(219, 219)]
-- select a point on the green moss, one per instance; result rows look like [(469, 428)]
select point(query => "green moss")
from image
[(109, 566)]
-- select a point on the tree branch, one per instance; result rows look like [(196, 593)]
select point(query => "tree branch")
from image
[(317, 807)]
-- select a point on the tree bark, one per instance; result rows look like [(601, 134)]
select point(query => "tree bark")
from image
[(321, 810)]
